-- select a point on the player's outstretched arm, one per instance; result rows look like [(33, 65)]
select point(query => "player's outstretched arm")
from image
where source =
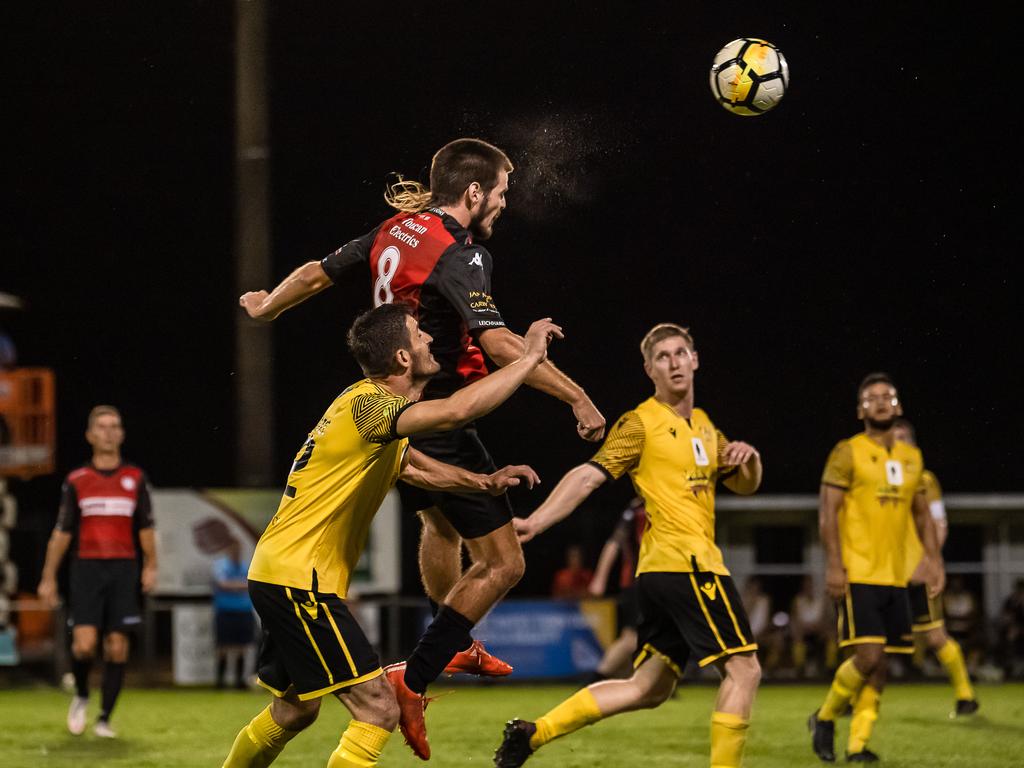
[(934, 569), (483, 396), (56, 548), (503, 347), (571, 491), (747, 478), (433, 475), (829, 502), (308, 280)]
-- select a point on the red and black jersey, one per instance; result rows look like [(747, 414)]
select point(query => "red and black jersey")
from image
[(105, 508), (429, 261)]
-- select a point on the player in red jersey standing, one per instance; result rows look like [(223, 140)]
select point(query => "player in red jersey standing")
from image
[(104, 504), (428, 256)]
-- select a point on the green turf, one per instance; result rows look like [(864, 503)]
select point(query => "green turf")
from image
[(195, 728)]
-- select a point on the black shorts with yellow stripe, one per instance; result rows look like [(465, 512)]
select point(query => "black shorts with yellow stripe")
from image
[(684, 615), (925, 612), (310, 641), (875, 613)]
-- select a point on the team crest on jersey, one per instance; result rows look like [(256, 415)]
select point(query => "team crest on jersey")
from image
[(710, 589), (128, 483), (478, 260)]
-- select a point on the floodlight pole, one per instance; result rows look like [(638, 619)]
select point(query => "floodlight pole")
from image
[(254, 393)]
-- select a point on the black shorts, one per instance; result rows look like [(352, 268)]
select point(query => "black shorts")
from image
[(471, 514), (925, 612), (105, 594), (234, 627), (690, 614), (627, 614), (874, 613), (310, 641)]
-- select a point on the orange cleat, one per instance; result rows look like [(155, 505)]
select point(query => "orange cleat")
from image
[(411, 706), (475, 660)]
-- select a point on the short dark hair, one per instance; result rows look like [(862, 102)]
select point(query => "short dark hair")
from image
[(375, 337), (899, 421), (459, 163), (878, 377)]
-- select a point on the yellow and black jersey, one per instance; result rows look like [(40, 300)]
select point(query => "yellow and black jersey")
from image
[(674, 464), (879, 485), (933, 495), (341, 474)]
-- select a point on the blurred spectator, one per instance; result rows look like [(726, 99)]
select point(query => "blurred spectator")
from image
[(572, 581), (233, 614), (759, 612), (962, 619), (1011, 632), (624, 541), (812, 628)]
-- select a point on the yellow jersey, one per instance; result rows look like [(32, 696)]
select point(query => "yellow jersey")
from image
[(674, 464), (933, 495), (339, 478), (879, 485)]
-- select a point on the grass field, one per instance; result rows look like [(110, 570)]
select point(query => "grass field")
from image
[(195, 728)]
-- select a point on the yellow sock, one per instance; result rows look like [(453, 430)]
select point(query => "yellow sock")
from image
[(831, 655), (864, 715), (952, 659), (799, 654), (845, 685), (361, 745), (728, 735), (259, 743), (578, 710)]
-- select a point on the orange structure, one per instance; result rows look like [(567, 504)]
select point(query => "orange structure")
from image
[(28, 423)]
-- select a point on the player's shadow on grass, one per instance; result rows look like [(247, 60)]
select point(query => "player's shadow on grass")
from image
[(975, 722), (92, 749)]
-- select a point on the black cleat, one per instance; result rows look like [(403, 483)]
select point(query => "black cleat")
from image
[(966, 707), (515, 744), (823, 742), (864, 756)]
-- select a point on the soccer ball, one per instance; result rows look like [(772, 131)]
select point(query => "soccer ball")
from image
[(749, 76)]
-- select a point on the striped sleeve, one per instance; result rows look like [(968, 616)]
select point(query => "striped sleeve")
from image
[(622, 448), (376, 416)]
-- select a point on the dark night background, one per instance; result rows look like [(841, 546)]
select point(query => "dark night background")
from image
[(865, 224)]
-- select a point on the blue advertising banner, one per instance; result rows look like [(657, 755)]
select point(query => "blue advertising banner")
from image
[(548, 638)]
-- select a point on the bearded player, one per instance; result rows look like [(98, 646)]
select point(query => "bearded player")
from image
[(300, 570), (428, 256), (870, 491)]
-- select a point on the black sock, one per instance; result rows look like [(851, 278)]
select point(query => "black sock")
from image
[(113, 679), (240, 670), (80, 669), (222, 668), (447, 634), (434, 607)]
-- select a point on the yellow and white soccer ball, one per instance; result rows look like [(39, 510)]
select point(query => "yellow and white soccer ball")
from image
[(749, 76)]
